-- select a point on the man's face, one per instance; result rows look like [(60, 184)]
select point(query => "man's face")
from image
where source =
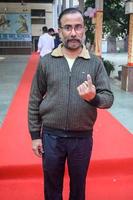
[(72, 31), (51, 33)]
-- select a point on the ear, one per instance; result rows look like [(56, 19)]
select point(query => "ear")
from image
[(60, 33)]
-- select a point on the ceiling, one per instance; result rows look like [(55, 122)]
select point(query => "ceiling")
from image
[(26, 1)]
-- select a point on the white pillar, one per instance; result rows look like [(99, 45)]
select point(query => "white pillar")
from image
[(55, 14), (59, 7), (64, 4), (70, 3)]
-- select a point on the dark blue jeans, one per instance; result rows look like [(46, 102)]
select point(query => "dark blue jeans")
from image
[(77, 152)]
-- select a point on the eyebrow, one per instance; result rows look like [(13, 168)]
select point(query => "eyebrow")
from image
[(72, 24)]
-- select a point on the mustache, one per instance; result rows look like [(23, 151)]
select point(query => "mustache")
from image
[(74, 39)]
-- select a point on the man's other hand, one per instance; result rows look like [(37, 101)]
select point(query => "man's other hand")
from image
[(37, 147)]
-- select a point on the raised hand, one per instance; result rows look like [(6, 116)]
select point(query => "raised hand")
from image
[(87, 90)]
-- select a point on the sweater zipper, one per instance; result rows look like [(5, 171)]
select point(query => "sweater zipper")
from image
[(68, 101)]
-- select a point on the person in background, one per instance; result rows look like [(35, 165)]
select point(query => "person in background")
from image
[(68, 87), (51, 31), (45, 43), (57, 40), (56, 37)]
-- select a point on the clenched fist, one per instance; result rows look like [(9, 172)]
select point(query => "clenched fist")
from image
[(87, 90), (37, 147)]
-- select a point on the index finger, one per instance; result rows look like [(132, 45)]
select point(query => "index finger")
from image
[(89, 80)]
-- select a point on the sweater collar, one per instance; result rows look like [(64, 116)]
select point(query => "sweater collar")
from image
[(58, 52)]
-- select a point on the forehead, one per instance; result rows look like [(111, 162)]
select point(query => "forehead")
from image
[(72, 18)]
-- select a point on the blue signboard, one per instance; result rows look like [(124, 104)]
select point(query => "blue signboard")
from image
[(15, 27)]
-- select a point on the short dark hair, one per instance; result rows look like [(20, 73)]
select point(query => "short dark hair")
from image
[(67, 11), (50, 30), (44, 29)]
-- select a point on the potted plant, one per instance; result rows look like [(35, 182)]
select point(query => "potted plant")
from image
[(109, 66)]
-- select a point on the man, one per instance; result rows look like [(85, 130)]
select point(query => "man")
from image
[(57, 40), (51, 31), (69, 86), (45, 43)]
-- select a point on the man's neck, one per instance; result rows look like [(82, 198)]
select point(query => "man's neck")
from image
[(71, 53)]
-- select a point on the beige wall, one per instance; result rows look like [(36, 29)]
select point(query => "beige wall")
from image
[(26, 8)]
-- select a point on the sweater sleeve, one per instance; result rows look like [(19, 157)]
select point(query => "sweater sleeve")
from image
[(37, 92), (104, 97)]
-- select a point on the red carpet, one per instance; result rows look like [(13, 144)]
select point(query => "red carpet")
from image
[(111, 173)]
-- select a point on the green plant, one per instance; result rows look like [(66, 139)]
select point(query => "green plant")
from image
[(109, 66)]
